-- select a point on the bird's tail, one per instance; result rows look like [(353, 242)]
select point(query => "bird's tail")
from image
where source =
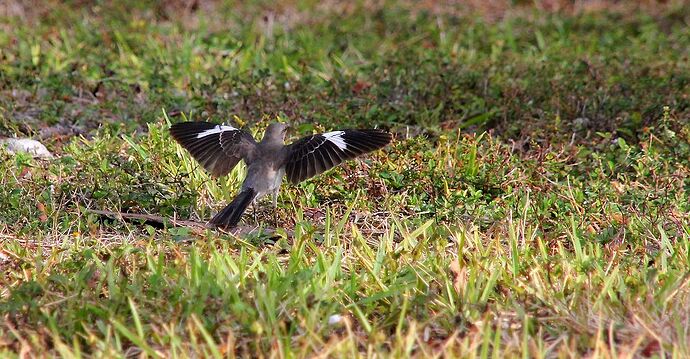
[(231, 214)]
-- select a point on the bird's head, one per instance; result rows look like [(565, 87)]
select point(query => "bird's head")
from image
[(276, 131)]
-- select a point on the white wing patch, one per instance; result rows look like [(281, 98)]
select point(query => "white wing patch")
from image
[(217, 129), (336, 137)]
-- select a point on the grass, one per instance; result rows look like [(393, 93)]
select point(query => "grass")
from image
[(533, 204)]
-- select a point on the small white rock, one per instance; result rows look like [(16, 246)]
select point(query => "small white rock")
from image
[(4, 258), (32, 147), (335, 319)]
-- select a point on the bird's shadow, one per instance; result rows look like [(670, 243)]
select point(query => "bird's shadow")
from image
[(255, 235)]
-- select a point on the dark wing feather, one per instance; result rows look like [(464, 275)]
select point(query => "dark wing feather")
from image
[(218, 148), (315, 154)]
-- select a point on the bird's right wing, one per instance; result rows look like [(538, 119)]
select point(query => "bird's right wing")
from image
[(318, 153), (218, 148)]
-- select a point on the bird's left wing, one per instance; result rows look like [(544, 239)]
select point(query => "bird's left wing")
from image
[(318, 153), (218, 148)]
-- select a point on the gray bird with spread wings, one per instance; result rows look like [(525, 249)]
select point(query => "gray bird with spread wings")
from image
[(218, 148)]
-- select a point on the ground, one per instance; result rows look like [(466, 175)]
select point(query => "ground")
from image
[(534, 203)]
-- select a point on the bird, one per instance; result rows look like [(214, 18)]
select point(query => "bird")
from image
[(219, 148)]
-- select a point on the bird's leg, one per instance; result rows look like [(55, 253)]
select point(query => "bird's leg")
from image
[(256, 219), (275, 209)]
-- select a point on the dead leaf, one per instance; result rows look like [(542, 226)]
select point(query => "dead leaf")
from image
[(43, 217), (25, 171), (459, 275), (619, 187), (360, 86), (651, 348), (619, 218)]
